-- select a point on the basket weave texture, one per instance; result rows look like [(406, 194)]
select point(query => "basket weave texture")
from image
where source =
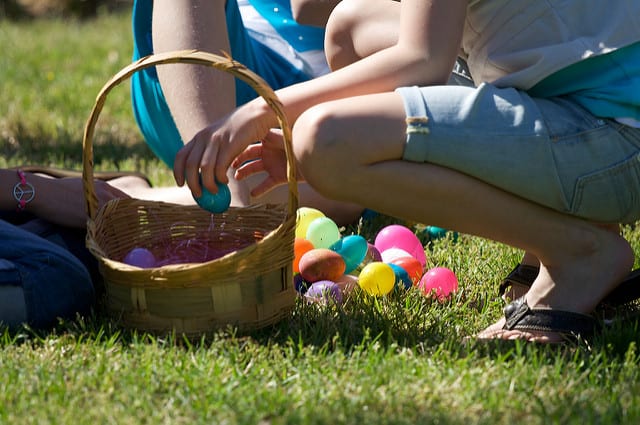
[(250, 287)]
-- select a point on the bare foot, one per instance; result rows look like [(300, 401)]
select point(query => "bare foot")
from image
[(571, 283), (498, 331)]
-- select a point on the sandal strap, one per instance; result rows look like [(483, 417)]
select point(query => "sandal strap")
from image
[(522, 274), (519, 316)]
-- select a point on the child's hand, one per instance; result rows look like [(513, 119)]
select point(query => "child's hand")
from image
[(212, 150), (266, 156)]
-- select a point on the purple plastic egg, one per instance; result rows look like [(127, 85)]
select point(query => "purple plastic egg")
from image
[(140, 257), (324, 291)]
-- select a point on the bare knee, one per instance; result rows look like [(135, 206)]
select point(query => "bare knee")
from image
[(318, 149)]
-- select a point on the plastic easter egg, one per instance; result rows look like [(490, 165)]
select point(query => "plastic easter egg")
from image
[(398, 236), (439, 281), (323, 232), (140, 257), (321, 264), (300, 284), (373, 254), (412, 266), (436, 233), (214, 203), (403, 281), (304, 216), (347, 282), (377, 278), (300, 247), (324, 291), (353, 249), (391, 254)]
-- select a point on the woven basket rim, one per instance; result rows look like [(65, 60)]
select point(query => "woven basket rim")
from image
[(223, 63), (251, 286)]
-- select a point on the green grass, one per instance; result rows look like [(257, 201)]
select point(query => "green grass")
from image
[(52, 71), (396, 360)]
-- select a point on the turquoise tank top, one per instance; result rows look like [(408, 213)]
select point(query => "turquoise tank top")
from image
[(278, 12), (607, 85)]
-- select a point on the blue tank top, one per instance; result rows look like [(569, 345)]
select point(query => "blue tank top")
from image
[(278, 12), (607, 85)]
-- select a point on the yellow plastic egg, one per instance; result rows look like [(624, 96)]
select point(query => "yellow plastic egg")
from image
[(377, 278), (304, 216)]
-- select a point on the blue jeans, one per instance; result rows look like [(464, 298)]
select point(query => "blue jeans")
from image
[(39, 279), (550, 151)]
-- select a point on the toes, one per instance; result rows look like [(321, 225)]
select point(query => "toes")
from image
[(497, 332)]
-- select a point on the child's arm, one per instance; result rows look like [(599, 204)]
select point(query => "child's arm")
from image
[(428, 44), (58, 200), (312, 12)]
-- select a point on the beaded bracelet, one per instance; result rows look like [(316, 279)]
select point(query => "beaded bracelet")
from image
[(23, 192)]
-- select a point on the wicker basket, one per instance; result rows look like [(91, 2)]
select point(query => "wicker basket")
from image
[(250, 287)]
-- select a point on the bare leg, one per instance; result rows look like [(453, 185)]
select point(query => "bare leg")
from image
[(517, 290), (362, 140)]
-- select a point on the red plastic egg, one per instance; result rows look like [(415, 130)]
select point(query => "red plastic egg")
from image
[(412, 266)]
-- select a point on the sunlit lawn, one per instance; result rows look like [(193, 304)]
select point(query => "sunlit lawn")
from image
[(398, 359)]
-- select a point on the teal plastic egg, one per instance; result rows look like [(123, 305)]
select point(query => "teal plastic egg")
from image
[(353, 249), (214, 203)]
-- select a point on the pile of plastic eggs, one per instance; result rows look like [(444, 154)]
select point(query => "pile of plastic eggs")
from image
[(327, 264)]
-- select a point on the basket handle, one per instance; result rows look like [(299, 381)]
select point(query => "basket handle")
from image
[(223, 63)]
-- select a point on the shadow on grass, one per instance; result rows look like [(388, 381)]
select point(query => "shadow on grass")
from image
[(360, 324), (39, 146)]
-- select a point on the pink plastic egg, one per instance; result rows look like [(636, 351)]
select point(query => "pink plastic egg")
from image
[(439, 280), (398, 236)]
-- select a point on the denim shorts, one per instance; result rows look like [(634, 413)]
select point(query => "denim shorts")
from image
[(549, 151), (150, 108)]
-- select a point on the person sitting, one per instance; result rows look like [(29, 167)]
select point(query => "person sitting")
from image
[(46, 272)]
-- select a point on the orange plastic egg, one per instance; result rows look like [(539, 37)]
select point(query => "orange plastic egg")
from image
[(300, 247)]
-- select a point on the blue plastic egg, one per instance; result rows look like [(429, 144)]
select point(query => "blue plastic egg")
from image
[(353, 249), (403, 281), (435, 233), (215, 203)]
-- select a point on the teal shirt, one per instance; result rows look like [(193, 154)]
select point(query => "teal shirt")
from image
[(278, 13), (607, 85)]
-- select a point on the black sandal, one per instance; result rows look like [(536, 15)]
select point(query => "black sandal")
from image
[(571, 326), (627, 291), (521, 275)]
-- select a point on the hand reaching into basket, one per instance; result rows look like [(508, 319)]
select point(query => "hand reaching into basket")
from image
[(210, 153), (266, 156)]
